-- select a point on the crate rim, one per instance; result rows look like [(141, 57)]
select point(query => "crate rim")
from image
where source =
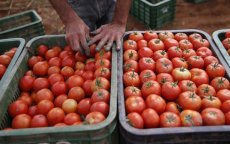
[(156, 4), (67, 129), (175, 130), (22, 26)]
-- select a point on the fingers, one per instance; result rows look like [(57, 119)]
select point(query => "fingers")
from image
[(102, 43), (97, 31), (118, 43), (84, 45), (109, 44)]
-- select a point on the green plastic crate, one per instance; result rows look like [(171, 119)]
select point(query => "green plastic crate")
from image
[(154, 13), (6, 45), (102, 133), (196, 1), (218, 37), (27, 24)]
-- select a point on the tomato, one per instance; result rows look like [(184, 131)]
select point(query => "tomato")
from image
[(53, 69), (2, 70), (204, 52), (94, 118), (187, 85), (211, 102), (100, 95), (170, 90), (174, 52), (63, 54), (74, 81), (150, 87), (44, 106), (142, 43), (206, 90), (191, 118), (172, 107), (164, 77), (51, 53), (17, 107), (5, 60), (185, 44), (188, 53), (26, 83), (32, 110), (90, 64), (76, 93), (92, 50), (53, 78), (68, 61), (83, 107), (102, 72), (42, 49), (147, 75), (213, 116), (155, 102), (151, 118), (40, 83), (180, 36), (169, 119), (27, 99), (194, 36), (199, 76), (89, 75), (39, 120), (67, 72), (146, 63), (145, 52), (55, 61), (130, 54), (72, 118), (215, 70), (100, 107), (135, 120), (156, 44), (131, 78), (80, 57), (59, 88), (21, 121), (41, 68), (189, 100), (132, 91), (134, 104), (148, 35), (225, 107), (130, 44), (196, 62), (223, 95), (220, 83), (102, 63), (181, 74), (130, 65), (159, 54), (136, 36), (210, 59), (169, 42), (227, 118), (55, 115), (200, 43), (33, 60), (59, 100), (226, 43), (227, 34), (179, 62), (165, 34), (79, 65), (103, 54), (44, 94), (87, 87), (57, 48), (164, 65), (100, 82)]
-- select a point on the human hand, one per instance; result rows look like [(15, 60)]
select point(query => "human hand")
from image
[(107, 34), (77, 33)]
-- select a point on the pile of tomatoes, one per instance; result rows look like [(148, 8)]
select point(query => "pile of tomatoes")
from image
[(63, 87), (5, 60), (173, 80), (226, 41)]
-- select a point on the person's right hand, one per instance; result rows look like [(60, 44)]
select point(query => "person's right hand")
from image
[(77, 33)]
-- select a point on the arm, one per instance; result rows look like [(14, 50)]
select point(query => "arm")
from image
[(76, 29), (115, 30)]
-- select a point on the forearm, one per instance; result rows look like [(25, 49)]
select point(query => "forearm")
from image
[(64, 10), (122, 12)]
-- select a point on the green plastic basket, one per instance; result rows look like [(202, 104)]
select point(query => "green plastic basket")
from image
[(153, 13), (101, 133), (5, 45), (27, 24), (196, 1)]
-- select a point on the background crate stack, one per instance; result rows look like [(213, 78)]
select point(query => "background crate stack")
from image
[(154, 13), (27, 24)]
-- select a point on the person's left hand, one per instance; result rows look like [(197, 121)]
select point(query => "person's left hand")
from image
[(107, 34)]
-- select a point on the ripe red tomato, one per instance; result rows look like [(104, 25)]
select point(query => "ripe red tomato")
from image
[(187, 85), (94, 118), (103, 54), (188, 53), (87, 87), (174, 52), (5, 60), (148, 35), (165, 34), (72, 118), (147, 75), (55, 115), (68, 61), (42, 49), (227, 34), (181, 74), (155, 102), (33, 60), (146, 63), (164, 77), (134, 104), (206, 90), (196, 62), (32, 111), (21, 121), (103, 72), (59, 88), (2, 70), (76, 93), (59, 100), (83, 107), (185, 44), (74, 81), (40, 83), (179, 36), (215, 70), (66, 53), (130, 54), (213, 116), (145, 52), (211, 102), (102, 63), (79, 65), (191, 118), (225, 107), (223, 94), (17, 107), (194, 36), (67, 72), (131, 78), (220, 83), (156, 44), (150, 87), (164, 65), (39, 120), (41, 68), (100, 82), (179, 62), (130, 44), (80, 57), (27, 99), (159, 54), (89, 75), (53, 78), (172, 107), (100, 95), (51, 53), (53, 69), (169, 42), (226, 42), (100, 107), (210, 59), (132, 91), (199, 76), (142, 43), (170, 90), (90, 64), (130, 65), (44, 106), (44, 94), (135, 120), (204, 52), (189, 100), (169, 119), (200, 43), (151, 118), (26, 83), (227, 118), (55, 61), (136, 36)]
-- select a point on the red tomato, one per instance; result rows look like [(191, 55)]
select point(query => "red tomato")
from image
[(147, 75), (172, 107), (226, 43), (44, 94), (89, 75), (188, 53), (100, 83), (156, 44), (26, 83), (191, 118), (79, 65), (200, 43), (225, 107), (55, 115), (130, 54), (41, 68), (76, 93), (179, 36), (164, 77), (59, 100), (196, 62), (53, 69), (94, 118), (155, 102), (213, 116), (5, 60), (215, 70), (51, 53), (210, 59), (136, 36), (44, 106), (68, 61), (83, 107), (227, 118), (189, 100), (90, 65), (134, 104), (21, 121), (130, 65), (40, 83), (179, 62), (42, 49), (194, 36), (145, 52), (165, 34), (100, 107), (27, 99), (185, 44), (187, 85), (72, 118), (227, 34), (131, 78), (206, 90), (17, 107), (39, 121), (174, 52), (135, 120), (169, 42), (67, 72), (2, 70), (129, 44), (170, 90), (220, 83), (181, 74), (164, 65), (87, 87), (151, 118), (100, 95), (223, 95), (102, 63), (59, 88), (33, 60), (64, 54), (32, 111), (55, 61), (146, 63), (132, 91), (80, 57), (102, 72), (53, 78), (204, 52), (150, 87), (159, 54), (211, 102), (74, 81), (148, 35), (199, 76), (103, 54), (142, 43), (69, 106), (169, 119)]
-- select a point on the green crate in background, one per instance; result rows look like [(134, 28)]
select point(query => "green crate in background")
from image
[(102, 133), (6, 45), (196, 1), (27, 25), (154, 13)]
